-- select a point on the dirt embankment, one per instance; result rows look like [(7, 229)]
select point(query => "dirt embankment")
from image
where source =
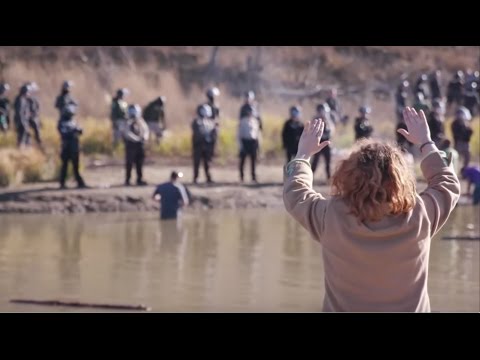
[(107, 194)]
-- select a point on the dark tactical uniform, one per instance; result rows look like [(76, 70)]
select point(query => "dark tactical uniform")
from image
[(34, 120), (470, 98), (248, 136), (64, 99), (214, 113), (334, 106), (436, 126), (215, 110), (204, 133), (455, 90), (401, 98), (292, 130), (22, 117), (119, 117), (437, 129), (173, 195), (363, 129), (70, 151), (250, 107), (462, 133), (154, 115), (422, 87), (4, 108), (435, 89)]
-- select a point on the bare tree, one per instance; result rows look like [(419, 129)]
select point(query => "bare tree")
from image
[(211, 69), (105, 67), (254, 67)]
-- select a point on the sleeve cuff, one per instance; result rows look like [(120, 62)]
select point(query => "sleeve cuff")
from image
[(434, 161), (447, 159)]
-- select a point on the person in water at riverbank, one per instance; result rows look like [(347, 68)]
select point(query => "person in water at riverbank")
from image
[(173, 195), (375, 230)]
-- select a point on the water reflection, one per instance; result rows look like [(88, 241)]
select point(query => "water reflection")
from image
[(253, 260), (170, 236), (292, 246), (293, 250), (170, 244), (69, 235), (249, 253), (198, 249)]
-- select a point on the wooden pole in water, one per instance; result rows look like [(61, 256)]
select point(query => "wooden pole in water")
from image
[(80, 304)]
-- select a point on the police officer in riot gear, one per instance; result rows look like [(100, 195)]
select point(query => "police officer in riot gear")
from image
[(203, 140), (212, 94), (135, 135), (119, 115), (70, 132), (401, 99), (248, 138), (22, 115), (323, 111), (435, 87), (363, 128), (421, 86), (292, 130), (34, 118), (471, 99), (154, 115), (65, 98), (4, 107), (455, 90), (435, 122), (250, 104), (462, 133)]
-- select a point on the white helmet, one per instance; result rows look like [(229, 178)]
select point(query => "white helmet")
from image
[(250, 95), (213, 92), (464, 113), (33, 86), (4, 88)]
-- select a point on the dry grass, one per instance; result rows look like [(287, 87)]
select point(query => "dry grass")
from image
[(23, 166), (7, 170), (30, 165)]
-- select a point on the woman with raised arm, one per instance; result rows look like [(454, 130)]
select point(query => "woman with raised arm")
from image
[(375, 228)]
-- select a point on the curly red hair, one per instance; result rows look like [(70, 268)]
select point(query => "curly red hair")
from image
[(375, 181)]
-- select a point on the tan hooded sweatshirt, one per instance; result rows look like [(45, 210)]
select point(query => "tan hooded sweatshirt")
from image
[(374, 266)]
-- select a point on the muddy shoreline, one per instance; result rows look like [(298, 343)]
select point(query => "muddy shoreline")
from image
[(107, 194), (49, 199)]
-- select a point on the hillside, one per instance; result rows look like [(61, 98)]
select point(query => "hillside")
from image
[(279, 74)]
